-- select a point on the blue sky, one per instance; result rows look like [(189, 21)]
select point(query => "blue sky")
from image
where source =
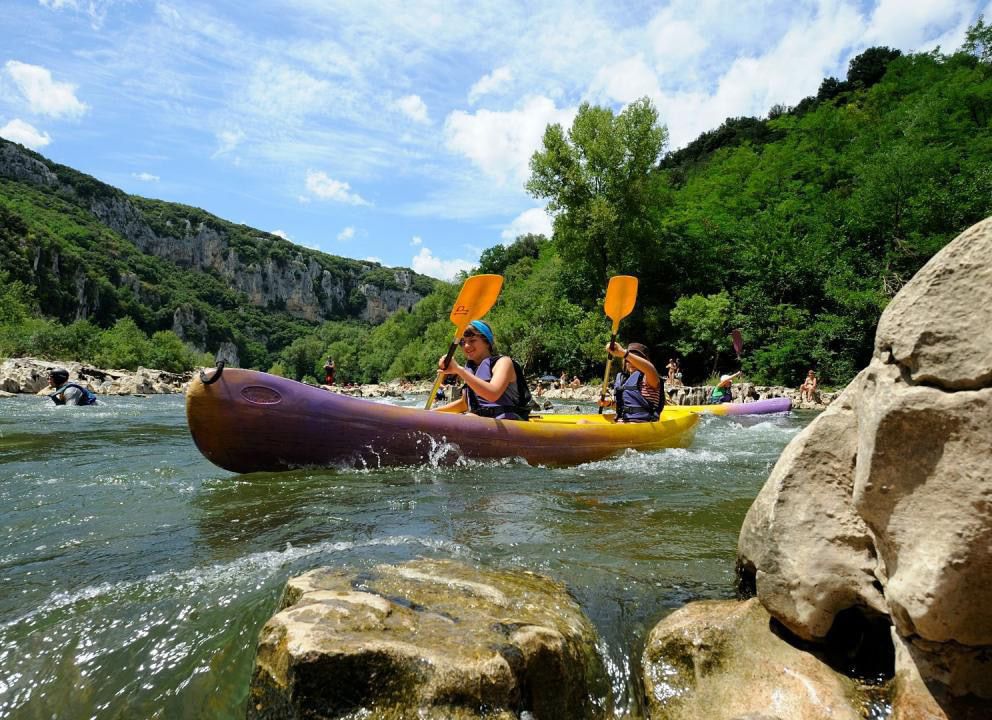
[(401, 131)]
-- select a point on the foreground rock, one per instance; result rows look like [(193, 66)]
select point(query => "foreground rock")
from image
[(427, 639), (30, 375), (882, 507), (719, 660)]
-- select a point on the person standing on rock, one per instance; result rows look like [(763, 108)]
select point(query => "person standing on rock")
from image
[(639, 390), (329, 372), (67, 393)]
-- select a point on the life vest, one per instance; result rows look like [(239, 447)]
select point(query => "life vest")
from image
[(721, 395), (88, 398), (515, 400), (631, 404)]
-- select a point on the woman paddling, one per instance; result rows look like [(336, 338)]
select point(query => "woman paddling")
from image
[(494, 385), (638, 389)]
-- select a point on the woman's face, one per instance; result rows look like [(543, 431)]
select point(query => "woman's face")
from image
[(474, 345)]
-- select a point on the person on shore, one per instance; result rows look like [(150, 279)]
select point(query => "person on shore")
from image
[(638, 390), (563, 380), (67, 393), (723, 392), (677, 382), (575, 383), (671, 367), (807, 391), (494, 384), (329, 372)]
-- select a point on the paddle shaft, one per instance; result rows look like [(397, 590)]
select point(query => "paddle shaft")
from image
[(440, 375), (606, 373)]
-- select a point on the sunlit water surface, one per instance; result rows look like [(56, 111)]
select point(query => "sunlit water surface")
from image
[(135, 575)]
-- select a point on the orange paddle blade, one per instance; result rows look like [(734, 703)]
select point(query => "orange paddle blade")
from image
[(621, 294), (477, 296)]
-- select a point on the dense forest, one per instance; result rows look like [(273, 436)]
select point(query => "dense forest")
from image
[(796, 228)]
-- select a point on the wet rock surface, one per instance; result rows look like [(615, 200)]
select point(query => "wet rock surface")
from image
[(427, 639)]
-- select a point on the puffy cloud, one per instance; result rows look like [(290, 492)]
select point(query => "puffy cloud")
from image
[(45, 96), (21, 132), (327, 188), (425, 263), (280, 233), (501, 143), (347, 234), (534, 221), (416, 240), (414, 108), (373, 258), (495, 82), (626, 81), (145, 177), (228, 139)]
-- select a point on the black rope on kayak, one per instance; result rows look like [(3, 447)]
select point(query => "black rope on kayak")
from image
[(216, 376)]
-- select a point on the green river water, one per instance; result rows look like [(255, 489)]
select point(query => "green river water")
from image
[(135, 575)]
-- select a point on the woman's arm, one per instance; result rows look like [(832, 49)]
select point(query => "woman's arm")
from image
[(489, 390)]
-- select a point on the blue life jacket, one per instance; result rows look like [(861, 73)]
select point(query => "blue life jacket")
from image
[(513, 404), (88, 398), (631, 405)]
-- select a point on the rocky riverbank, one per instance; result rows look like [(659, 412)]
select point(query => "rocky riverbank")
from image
[(30, 376)]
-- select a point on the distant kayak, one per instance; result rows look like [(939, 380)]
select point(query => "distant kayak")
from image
[(758, 407), (248, 421)]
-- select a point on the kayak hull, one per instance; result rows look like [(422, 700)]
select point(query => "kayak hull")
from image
[(249, 421)]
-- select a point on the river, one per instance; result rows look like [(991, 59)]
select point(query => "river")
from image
[(135, 576)]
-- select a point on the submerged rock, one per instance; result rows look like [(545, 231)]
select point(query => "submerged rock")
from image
[(427, 639), (882, 506)]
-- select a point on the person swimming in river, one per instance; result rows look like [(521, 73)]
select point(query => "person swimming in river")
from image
[(494, 384), (638, 390), (67, 393)]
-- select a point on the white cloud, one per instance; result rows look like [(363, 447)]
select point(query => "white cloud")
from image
[(425, 263), (373, 258), (145, 177), (228, 139), (277, 90), (414, 108), (21, 132), (910, 23), (495, 82), (326, 188), (280, 233), (534, 221), (45, 96), (626, 81), (347, 234), (416, 240), (501, 143)]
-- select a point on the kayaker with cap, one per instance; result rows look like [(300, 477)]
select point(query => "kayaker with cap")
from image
[(492, 382), (723, 393), (638, 388), (67, 393)]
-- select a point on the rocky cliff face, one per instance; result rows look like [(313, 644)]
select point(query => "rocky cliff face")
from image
[(295, 281)]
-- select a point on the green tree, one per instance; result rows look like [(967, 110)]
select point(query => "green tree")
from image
[(705, 325), (123, 346), (597, 180)]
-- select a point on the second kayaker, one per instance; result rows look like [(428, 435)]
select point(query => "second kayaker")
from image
[(494, 384), (638, 388)]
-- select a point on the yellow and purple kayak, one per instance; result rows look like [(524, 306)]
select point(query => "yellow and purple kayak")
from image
[(757, 407), (248, 421)]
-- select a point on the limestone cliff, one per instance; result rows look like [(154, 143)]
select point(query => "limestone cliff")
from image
[(271, 272)]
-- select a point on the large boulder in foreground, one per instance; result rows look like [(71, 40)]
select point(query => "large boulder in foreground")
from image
[(427, 639), (882, 506), (719, 660)]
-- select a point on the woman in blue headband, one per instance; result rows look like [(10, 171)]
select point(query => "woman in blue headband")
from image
[(494, 384)]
